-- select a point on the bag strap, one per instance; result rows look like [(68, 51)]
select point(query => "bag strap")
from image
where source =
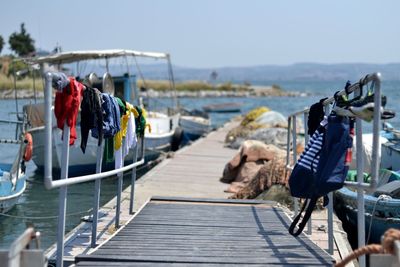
[(311, 204)]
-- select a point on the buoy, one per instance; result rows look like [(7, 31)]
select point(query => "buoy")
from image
[(28, 148)]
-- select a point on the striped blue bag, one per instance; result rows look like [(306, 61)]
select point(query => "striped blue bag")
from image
[(322, 167)]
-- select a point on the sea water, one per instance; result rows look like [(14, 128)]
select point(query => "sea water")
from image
[(39, 206)]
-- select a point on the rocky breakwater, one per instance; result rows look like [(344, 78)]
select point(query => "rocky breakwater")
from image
[(255, 91), (21, 93)]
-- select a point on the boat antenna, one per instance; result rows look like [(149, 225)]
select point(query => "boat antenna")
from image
[(15, 87), (142, 78), (172, 81), (34, 84)]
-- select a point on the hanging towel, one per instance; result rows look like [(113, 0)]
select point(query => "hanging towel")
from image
[(130, 138), (66, 107), (91, 115)]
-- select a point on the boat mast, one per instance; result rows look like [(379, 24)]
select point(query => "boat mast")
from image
[(172, 81)]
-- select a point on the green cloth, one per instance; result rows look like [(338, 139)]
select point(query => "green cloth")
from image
[(140, 122), (122, 106), (109, 150)]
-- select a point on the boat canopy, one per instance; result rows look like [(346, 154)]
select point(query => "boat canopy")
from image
[(73, 56)]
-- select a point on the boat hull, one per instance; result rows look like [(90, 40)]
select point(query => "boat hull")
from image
[(390, 155), (194, 127), (10, 195), (386, 212)]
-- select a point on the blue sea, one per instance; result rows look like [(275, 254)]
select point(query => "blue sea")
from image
[(39, 206)]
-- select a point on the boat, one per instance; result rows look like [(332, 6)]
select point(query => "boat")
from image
[(12, 178), (381, 206), (223, 107), (194, 123), (390, 150), (123, 85)]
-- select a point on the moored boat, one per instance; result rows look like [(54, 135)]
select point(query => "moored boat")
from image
[(223, 107), (381, 207), (12, 179)]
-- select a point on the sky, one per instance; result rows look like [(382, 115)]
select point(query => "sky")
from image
[(216, 33)]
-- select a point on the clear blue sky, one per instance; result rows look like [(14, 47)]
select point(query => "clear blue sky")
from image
[(216, 33)]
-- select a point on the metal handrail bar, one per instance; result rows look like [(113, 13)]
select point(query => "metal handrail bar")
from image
[(51, 184), (11, 121)]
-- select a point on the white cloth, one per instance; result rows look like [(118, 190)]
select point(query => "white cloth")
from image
[(130, 140), (119, 159)]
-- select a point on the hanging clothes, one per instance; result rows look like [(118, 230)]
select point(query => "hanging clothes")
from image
[(126, 137), (59, 80), (66, 107), (130, 139), (111, 117), (91, 115), (140, 122), (124, 124)]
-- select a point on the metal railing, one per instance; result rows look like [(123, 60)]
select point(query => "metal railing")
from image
[(65, 181), (376, 154)]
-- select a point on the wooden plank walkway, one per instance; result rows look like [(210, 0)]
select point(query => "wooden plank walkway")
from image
[(185, 233)]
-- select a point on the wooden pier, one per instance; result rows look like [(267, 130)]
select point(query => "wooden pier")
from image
[(193, 232), (187, 186)]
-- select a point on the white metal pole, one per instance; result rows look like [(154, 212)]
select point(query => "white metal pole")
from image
[(306, 138), (294, 145), (119, 190), (63, 196), (133, 179), (360, 191), (97, 186)]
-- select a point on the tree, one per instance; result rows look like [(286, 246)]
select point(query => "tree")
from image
[(1, 43), (22, 43)]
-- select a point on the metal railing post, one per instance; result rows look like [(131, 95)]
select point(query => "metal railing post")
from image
[(294, 144), (306, 138), (288, 143), (133, 178), (330, 223), (97, 186), (119, 191), (360, 191), (63, 196)]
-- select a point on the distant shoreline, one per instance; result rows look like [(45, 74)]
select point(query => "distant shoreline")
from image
[(258, 92)]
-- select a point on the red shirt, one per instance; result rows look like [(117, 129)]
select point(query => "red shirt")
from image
[(66, 107)]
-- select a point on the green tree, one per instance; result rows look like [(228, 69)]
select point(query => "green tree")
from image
[(1, 43), (22, 43)]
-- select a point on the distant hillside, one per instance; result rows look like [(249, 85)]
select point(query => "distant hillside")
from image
[(295, 72)]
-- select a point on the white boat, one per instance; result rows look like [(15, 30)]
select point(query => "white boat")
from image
[(163, 126), (12, 180), (194, 127), (223, 107), (390, 150)]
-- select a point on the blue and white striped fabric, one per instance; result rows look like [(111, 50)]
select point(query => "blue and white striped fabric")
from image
[(310, 157)]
